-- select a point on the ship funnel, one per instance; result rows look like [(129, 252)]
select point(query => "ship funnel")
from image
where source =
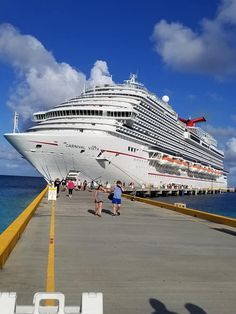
[(191, 122)]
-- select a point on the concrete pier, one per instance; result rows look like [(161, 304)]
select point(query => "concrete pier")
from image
[(148, 260)]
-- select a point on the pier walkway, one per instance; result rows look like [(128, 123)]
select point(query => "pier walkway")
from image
[(148, 260)]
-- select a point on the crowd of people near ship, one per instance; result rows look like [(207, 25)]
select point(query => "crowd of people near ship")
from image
[(115, 192)]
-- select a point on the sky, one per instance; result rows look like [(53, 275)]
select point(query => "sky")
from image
[(186, 49)]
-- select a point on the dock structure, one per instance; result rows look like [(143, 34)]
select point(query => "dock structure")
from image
[(147, 260), (157, 191)]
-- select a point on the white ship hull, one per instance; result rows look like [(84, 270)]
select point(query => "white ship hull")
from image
[(102, 157), (121, 132)]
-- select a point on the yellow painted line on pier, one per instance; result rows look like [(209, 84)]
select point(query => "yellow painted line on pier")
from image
[(12, 234), (187, 211), (50, 286)]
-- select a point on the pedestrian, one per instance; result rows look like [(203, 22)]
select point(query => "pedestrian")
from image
[(79, 184), (63, 184), (57, 184), (99, 200), (85, 185), (116, 201), (70, 186), (92, 185)]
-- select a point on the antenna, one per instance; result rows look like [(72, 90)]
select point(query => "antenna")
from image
[(16, 123)]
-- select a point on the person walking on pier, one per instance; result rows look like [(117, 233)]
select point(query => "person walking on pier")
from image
[(85, 185), (63, 183), (116, 201), (57, 184), (70, 187), (99, 200)]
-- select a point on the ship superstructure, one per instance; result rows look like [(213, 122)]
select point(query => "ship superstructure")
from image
[(122, 131)]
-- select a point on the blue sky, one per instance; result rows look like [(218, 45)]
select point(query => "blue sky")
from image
[(185, 49)]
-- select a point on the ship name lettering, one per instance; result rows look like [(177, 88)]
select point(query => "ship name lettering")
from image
[(93, 147), (75, 146)]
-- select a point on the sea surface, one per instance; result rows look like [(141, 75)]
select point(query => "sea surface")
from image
[(16, 193), (223, 204)]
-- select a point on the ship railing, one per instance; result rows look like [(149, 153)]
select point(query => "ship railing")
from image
[(203, 135)]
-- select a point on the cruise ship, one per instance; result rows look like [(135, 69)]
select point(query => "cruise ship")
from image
[(125, 132)]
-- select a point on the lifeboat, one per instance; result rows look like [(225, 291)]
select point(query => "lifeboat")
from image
[(194, 168), (201, 169), (184, 165), (198, 168), (164, 161), (205, 170), (171, 162), (176, 163), (210, 171)]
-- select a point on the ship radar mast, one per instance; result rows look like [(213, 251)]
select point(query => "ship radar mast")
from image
[(133, 77), (16, 123), (133, 80)]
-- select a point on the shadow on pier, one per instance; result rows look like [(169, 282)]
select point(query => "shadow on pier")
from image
[(160, 308)]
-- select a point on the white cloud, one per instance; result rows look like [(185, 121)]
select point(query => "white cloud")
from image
[(211, 50), (220, 132), (9, 154), (100, 74), (42, 81), (12, 166)]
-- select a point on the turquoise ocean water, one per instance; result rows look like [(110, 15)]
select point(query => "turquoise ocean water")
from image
[(16, 193), (220, 204)]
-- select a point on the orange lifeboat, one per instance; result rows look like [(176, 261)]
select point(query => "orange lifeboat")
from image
[(184, 165), (164, 161), (176, 163)]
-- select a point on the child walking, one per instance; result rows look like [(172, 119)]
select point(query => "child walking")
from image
[(99, 200)]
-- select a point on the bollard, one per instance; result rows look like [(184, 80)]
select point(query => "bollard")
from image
[(180, 205)]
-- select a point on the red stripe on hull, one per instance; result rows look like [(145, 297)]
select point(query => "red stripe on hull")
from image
[(124, 154), (54, 144)]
